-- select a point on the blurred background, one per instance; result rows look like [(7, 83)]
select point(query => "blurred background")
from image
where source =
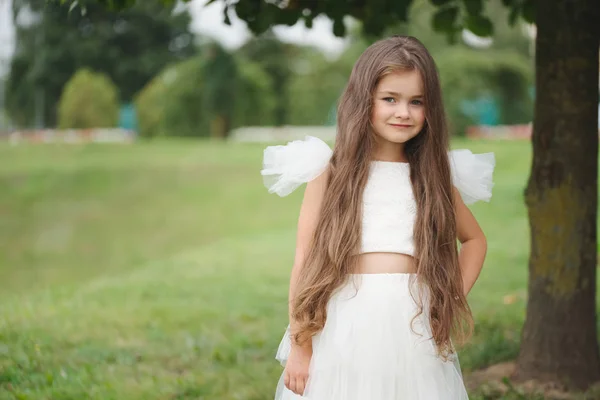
[(140, 255), (218, 78)]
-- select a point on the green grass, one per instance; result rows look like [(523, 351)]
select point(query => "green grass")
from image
[(160, 270)]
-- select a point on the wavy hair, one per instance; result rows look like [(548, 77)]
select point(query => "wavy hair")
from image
[(336, 240)]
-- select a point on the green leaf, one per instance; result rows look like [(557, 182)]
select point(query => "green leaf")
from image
[(400, 10), (265, 18), (288, 17), (339, 29), (452, 35), (474, 7), (441, 2), (226, 19), (529, 11), (247, 11), (444, 20), (513, 15), (308, 21), (73, 5), (479, 25)]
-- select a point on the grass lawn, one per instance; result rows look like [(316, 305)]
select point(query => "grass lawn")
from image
[(160, 270)]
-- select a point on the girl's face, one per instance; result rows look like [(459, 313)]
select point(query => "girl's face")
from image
[(398, 111)]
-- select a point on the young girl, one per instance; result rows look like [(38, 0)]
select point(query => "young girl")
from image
[(378, 287)]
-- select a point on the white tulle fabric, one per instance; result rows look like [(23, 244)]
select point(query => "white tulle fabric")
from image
[(472, 174), (287, 167), (367, 350)]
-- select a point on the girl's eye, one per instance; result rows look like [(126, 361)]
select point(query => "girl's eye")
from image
[(389, 99), (417, 102)]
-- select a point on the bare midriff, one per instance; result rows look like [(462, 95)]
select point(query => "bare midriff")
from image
[(385, 263)]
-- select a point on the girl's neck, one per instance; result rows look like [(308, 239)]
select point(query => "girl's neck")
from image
[(390, 155)]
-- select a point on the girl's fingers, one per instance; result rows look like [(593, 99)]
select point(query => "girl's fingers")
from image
[(295, 384), (301, 386), (292, 386), (286, 380)]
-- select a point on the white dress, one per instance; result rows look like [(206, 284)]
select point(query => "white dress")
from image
[(368, 349)]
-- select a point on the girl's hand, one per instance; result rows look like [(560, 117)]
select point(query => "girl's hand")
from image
[(295, 375)]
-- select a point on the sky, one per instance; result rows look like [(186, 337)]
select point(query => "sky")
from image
[(6, 34), (207, 21)]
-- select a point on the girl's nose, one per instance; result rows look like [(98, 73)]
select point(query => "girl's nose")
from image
[(401, 110)]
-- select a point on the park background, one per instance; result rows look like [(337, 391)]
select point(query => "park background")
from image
[(141, 256)]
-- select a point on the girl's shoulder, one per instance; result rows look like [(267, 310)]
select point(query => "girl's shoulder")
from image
[(472, 174), (286, 167)]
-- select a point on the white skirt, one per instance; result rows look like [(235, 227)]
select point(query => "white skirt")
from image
[(367, 350)]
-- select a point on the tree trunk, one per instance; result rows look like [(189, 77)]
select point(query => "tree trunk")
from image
[(559, 339), (219, 126)]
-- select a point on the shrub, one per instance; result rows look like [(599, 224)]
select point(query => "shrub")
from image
[(88, 100), (178, 102)]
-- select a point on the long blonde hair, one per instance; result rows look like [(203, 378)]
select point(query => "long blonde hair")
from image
[(336, 240)]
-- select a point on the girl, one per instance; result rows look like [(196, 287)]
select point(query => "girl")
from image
[(378, 286)]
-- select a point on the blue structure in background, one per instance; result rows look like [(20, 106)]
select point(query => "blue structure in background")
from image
[(127, 117), (483, 110)]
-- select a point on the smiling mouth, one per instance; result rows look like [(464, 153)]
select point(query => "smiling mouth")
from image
[(401, 125)]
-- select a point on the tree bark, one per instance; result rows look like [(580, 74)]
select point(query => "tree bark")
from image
[(219, 126), (559, 339)]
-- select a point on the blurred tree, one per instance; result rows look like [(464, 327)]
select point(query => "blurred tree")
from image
[(257, 102), (244, 97), (468, 75), (559, 340), (506, 37), (220, 74), (277, 59), (130, 46), (89, 100), (149, 108), (182, 114), (316, 86)]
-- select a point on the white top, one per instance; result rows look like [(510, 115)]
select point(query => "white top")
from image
[(389, 208)]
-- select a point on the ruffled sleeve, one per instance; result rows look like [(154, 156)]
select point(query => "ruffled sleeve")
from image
[(285, 347), (472, 174), (285, 167)]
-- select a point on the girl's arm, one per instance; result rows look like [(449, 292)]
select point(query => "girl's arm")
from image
[(307, 222), (473, 243)]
